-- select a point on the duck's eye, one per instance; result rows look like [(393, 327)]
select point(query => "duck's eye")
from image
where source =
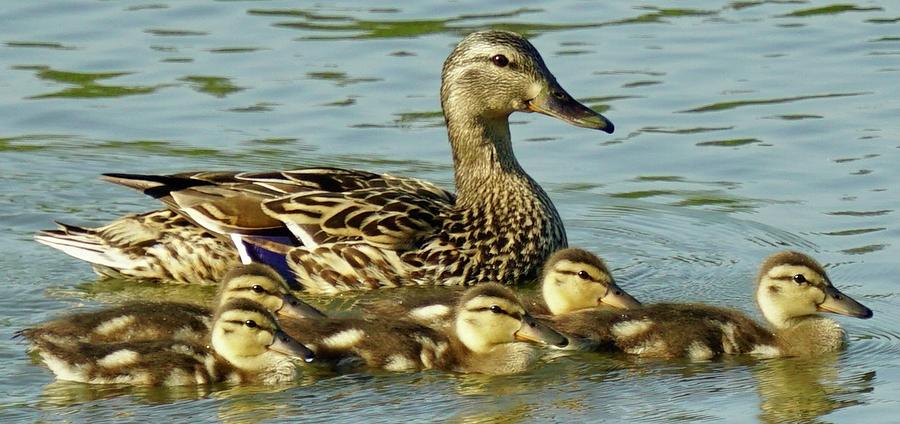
[(251, 323), (257, 288), (496, 309), (800, 279), (499, 60), (584, 275)]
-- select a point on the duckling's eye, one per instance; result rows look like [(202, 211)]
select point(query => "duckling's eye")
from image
[(251, 323), (496, 309), (800, 279), (499, 60), (584, 275), (257, 288)]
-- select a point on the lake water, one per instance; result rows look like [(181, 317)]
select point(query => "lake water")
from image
[(743, 128)]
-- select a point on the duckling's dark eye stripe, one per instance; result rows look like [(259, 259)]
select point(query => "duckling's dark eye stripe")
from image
[(258, 325), (242, 289), (590, 277), (791, 279), (501, 311)]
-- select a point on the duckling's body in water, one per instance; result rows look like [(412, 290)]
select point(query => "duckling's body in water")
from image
[(572, 280), (339, 229), (491, 334), (246, 346), (792, 288), (144, 320)]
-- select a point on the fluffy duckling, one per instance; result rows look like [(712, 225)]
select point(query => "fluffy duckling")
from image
[(141, 320), (572, 280), (488, 336), (575, 279), (246, 345), (791, 289)]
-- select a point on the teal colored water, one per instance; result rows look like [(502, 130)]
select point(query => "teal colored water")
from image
[(743, 128)]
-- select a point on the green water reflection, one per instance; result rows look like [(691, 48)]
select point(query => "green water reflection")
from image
[(86, 85)]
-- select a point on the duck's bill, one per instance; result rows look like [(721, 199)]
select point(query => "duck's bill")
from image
[(839, 303), (287, 346), (537, 332), (554, 101), (296, 308), (618, 298)]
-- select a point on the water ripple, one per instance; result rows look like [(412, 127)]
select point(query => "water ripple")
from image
[(715, 107)]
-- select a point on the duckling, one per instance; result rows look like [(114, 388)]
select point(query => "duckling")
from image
[(575, 279), (572, 279), (488, 336), (142, 320), (791, 289), (246, 346)]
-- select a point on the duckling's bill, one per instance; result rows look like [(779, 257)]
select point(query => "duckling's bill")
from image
[(556, 102), (296, 308), (618, 298), (535, 331), (839, 303), (286, 345)]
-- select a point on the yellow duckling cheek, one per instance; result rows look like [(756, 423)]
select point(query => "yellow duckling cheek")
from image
[(271, 303)]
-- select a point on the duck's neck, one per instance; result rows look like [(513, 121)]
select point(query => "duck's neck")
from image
[(482, 156), (810, 335), (775, 312), (802, 335), (782, 323)]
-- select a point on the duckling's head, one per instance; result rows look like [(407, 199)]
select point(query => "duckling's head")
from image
[(263, 285), (576, 279), (489, 315), (491, 74), (247, 335), (792, 285)]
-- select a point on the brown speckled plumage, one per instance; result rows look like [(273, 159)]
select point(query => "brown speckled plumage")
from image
[(148, 320), (575, 278), (665, 330), (159, 245), (239, 350), (792, 288), (358, 230), (130, 321), (398, 345)]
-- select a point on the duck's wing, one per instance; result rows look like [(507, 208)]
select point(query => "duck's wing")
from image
[(131, 321), (316, 205), (385, 217)]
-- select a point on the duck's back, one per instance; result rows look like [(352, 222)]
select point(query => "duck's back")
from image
[(133, 321), (435, 310), (169, 362), (668, 330), (388, 344)]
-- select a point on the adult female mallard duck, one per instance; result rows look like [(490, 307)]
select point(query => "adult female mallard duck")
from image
[(791, 289), (337, 229), (246, 345), (572, 280), (144, 320), (491, 334)]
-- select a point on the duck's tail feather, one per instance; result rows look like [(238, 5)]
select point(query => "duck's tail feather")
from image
[(83, 243), (158, 245), (157, 186)]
